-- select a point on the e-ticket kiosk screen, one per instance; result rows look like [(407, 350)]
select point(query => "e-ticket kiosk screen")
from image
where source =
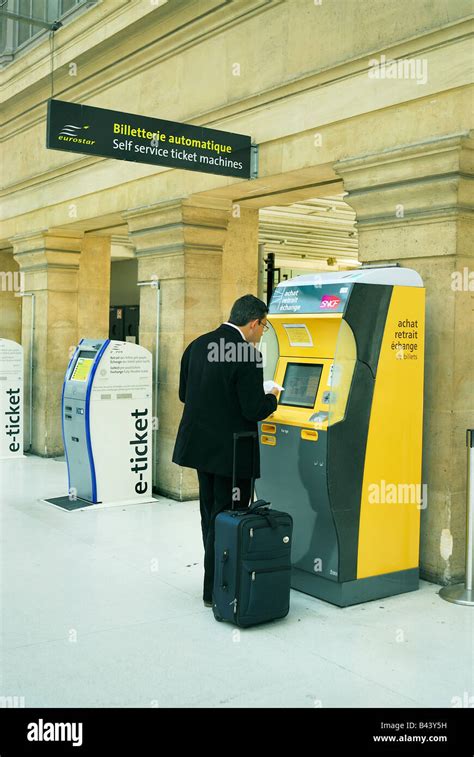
[(301, 384), (83, 366)]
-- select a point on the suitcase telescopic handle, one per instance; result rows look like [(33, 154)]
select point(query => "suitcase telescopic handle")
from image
[(242, 435)]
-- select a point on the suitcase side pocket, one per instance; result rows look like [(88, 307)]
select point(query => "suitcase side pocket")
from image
[(265, 593), (260, 541)]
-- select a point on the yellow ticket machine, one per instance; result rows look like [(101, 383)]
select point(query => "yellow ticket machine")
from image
[(342, 451)]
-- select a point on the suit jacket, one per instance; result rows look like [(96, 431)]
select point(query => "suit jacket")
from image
[(221, 384)]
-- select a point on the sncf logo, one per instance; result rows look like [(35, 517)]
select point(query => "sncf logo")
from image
[(330, 301)]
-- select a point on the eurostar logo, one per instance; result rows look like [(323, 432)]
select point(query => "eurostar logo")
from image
[(74, 133), (72, 129)]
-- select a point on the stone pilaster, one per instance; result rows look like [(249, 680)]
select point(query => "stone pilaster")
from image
[(179, 243), (94, 288), (414, 205), (11, 285), (49, 261), (240, 257)]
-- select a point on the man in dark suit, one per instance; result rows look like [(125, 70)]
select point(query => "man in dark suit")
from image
[(221, 384)]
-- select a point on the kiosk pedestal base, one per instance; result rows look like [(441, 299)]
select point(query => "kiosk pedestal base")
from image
[(355, 592), (64, 503)]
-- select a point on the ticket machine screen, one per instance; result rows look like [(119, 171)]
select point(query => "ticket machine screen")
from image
[(301, 384), (83, 366)]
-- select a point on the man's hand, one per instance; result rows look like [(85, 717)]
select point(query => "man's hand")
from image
[(274, 391)]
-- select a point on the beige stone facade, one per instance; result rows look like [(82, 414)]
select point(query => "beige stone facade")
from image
[(304, 80)]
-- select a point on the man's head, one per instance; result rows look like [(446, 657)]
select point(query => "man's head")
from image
[(250, 315)]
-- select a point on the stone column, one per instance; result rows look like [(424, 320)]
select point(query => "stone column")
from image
[(49, 261), (240, 257), (10, 296), (94, 288), (414, 206), (178, 243)]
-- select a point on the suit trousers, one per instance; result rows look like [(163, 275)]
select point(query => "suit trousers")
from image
[(215, 495)]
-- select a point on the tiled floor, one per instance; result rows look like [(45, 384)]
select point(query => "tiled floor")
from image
[(103, 609)]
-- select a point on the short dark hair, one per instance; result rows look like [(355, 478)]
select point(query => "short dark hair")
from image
[(247, 308)]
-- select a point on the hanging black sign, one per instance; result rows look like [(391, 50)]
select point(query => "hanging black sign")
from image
[(125, 136)]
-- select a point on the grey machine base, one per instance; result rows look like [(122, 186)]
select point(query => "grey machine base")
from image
[(355, 592)]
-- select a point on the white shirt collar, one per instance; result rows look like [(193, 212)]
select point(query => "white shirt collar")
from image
[(226, 323)]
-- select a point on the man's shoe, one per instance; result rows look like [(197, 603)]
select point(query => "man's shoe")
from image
[(207, 604)]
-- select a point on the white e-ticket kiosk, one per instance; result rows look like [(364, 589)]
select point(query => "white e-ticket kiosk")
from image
[(107, 422), (11, 399)]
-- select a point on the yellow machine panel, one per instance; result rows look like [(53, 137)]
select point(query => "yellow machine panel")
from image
[(389, 530)]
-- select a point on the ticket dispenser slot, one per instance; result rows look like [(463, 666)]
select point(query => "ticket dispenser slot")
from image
[(310, 434)]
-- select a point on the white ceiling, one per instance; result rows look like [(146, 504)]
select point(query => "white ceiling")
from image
[(316, 229)]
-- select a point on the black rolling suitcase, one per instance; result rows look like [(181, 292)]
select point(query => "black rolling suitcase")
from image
[(252, 560)]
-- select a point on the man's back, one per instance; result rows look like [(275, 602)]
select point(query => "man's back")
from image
[(221, 384)]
